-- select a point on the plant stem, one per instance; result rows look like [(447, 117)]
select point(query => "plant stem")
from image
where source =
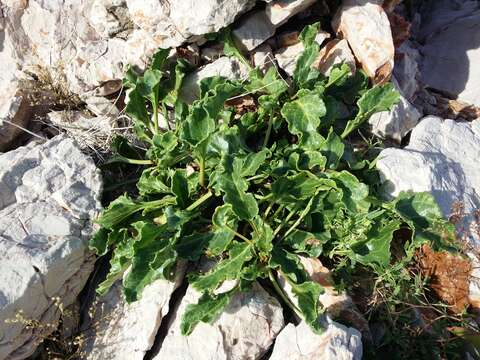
[(300, 218), (201, 177), (289, 216), (269, 131), (281, 293), (267, 211), (129, 161), (155, 118), (200, 201)]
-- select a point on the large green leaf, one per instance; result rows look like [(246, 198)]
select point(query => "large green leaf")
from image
[(303, 117), (376, 250), (304, 73), (234, 186)]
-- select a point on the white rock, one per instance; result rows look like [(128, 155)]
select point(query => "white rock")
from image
[(226, 67), (89, 42), (288, 56), (13, 104), (253, 30), (338, 342), (244, 330), (442, 158), (397, 122), (333, 53), (406, 71), (450, 58), (366, 27), (213, 15), (48, 195), (121, 331), (279, 11), (263, 57)]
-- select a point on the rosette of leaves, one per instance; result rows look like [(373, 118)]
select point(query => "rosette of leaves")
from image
[(254, 190)]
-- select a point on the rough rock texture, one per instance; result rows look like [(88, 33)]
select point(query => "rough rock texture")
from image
[(280, 11), (244, 330), (13, 105), (338, 342), (48, 195), (121, 331), (442, 158), (224, 66), (450, 59), (397, 122), (253, 30), (335, 52), (263, 57), (365, 26), (90, 41)]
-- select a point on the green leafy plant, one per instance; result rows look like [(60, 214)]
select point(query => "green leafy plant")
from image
[(254, 190)]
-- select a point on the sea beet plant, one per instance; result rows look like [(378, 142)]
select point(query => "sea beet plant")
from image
[(252, 189)]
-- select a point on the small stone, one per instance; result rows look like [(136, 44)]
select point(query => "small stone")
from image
[(287, 57), (263, 57), (225, 67), (301, 343), (279, 11), (253, 30), (397, 122), (333, 53), (365, 26)]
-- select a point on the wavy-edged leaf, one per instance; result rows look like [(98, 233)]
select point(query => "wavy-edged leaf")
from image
[(225, 224), (379, 98), (303, 118), (304, 73), (226, 269), (152, 244), (180, 188), (234, 186), (205, 310), (376, 250)]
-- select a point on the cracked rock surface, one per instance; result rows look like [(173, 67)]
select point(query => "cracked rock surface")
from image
[(122, 331), (48, 195), (244, 330)]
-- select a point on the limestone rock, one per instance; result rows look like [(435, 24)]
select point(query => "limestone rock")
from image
[(13, 105), (397, 122), (338, 342), (280, 11), (224, 66), (121, 331), (91, 41), (253, 30), (335, 52), (49, 193), (263, 57), (450, 57), (365, 26), (244, 330)]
